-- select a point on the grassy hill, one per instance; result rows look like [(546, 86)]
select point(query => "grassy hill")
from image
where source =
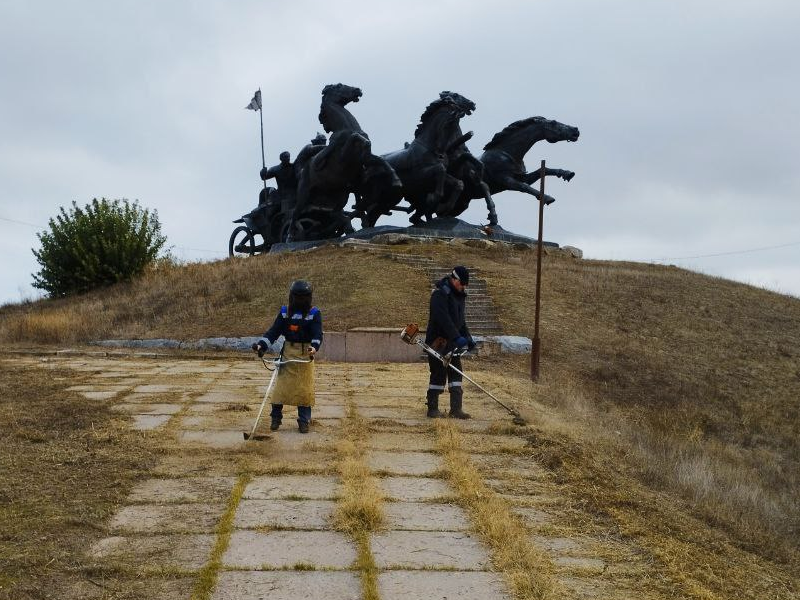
[(657, 382)]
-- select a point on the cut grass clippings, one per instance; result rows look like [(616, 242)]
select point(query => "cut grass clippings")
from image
[(66, 464), (528, 570), (360, 508)]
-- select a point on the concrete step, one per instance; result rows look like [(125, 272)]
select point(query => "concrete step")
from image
[(481, 315)]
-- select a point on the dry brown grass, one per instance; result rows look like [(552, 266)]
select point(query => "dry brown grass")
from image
[(360, 508), (693, 550), (528, 570), (66, 463), (234, 297), (361, 504), (689, 382), (56, 325)]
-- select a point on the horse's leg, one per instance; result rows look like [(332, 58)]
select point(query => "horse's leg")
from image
[(345, 224), (456, 186), (436, 174), (416, 217), (474, 176), (439, 173), (534, 176), (489, 202), (520, 186)]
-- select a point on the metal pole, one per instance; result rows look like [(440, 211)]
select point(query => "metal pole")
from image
[(536, 349), (261, 118)]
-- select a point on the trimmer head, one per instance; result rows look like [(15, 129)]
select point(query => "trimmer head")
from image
[(258, 437), (409, 333)]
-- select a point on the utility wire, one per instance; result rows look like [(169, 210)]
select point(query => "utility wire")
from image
[(21, 223), (748, 251)]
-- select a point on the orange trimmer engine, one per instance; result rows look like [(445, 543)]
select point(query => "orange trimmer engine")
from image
[(409, 333)]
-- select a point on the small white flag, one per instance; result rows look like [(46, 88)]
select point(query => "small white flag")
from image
[(255, 103)]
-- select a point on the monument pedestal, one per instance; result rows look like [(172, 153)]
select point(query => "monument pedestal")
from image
[(439, 228)]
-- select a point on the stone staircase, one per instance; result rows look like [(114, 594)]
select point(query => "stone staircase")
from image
[(481, 314)]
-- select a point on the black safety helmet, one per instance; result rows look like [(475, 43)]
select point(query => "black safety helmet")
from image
[(300, 296)]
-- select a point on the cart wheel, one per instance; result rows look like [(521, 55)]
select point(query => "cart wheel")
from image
[(242, 242)]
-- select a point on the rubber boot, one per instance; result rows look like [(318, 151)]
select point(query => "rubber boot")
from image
[(456, 398), (277, 415), (433, 406), (302, 426)]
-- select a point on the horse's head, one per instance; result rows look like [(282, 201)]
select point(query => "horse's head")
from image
[(465, 105), (517, 138), (341, 94), (440, 120), (558, 132)]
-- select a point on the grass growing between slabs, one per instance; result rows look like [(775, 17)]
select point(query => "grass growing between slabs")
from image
[(207, 578), (528, 570), (66, 464), (360, 508)]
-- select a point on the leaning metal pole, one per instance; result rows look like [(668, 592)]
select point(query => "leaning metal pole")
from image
[(536, 348)]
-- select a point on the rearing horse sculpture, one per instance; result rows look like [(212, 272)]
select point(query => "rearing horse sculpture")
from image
[(504, 168), (503, 165), (464, 166), (325, 183), (422, 164)]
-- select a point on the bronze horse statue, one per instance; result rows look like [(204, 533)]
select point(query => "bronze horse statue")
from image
[(468, 169), (327, 179), (436, 173), (503, 165), (422, 164)]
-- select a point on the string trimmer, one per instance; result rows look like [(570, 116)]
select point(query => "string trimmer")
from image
[(410, 335), (277, 363)]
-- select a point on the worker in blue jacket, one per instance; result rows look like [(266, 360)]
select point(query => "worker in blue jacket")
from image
[(447, 331), (300, 324)]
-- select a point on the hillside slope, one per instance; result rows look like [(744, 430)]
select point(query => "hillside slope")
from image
[(657, 382)]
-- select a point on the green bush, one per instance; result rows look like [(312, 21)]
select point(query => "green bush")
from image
[(105, 242)]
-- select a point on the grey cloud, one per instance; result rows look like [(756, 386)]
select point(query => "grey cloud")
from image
[(686, 110)]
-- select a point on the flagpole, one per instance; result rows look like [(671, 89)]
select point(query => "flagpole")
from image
[(261, 118)]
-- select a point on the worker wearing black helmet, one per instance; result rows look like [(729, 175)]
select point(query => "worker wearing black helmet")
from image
[(447, 332), (300, 324)]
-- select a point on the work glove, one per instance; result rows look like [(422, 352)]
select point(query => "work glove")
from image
[(260, 348), (460, 342)]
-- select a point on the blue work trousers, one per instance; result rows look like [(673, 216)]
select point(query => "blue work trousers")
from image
[(303, 413)]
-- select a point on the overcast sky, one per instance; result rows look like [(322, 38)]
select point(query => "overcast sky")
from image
[(688, 113)]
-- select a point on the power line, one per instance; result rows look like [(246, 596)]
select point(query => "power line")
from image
[(748, 251), (21, 223)]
